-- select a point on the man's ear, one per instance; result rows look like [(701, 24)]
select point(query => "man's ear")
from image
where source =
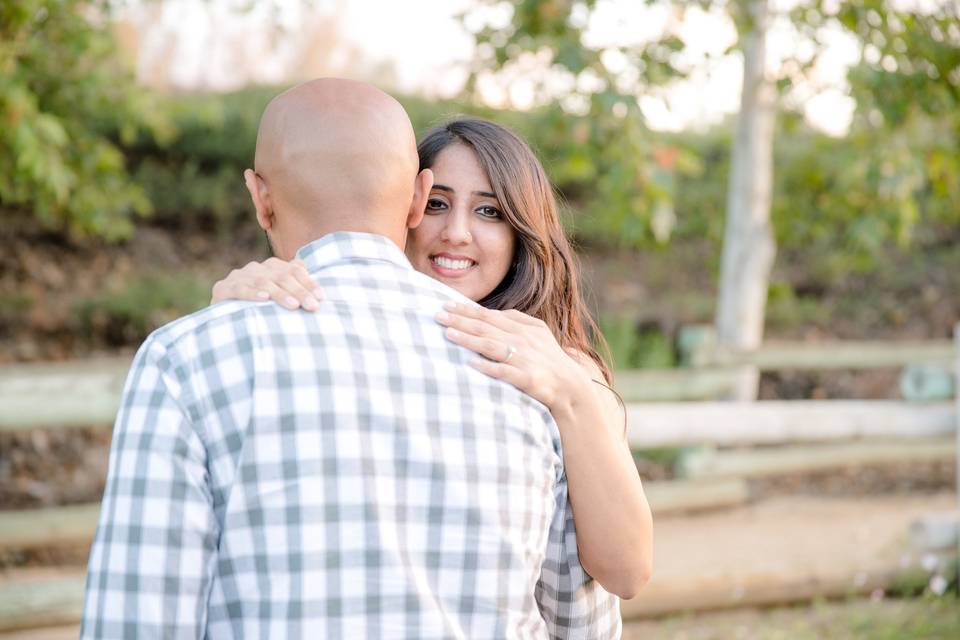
[(421, 193), (261, 199)]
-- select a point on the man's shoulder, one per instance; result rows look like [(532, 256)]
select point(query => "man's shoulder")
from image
[(382, 284), (435, 289), (230, 313)]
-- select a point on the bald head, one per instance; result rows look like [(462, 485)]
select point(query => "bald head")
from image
[(335, 155)]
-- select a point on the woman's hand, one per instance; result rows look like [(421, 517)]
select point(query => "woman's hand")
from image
[(286, 283), (518, 349)]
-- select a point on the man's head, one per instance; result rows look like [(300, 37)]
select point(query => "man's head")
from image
[(335, 155)]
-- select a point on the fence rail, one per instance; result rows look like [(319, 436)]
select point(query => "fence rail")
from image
[(846, 354), (67, 394), (776, 422), (75, 394)]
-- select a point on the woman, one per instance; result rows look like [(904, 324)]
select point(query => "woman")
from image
[(491, 232)]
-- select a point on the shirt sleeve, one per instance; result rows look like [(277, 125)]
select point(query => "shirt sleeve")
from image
[(151, 564), (572, 604)]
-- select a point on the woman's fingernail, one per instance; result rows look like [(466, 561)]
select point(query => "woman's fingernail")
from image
[(443, 316), (450, 306), (318, 293), (263, 295), (453, 334), (311, 303), (292, 302)]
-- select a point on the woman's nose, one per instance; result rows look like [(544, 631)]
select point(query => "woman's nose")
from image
[(457, 230)]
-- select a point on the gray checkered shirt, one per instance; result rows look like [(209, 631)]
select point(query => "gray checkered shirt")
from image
[(338, 474)]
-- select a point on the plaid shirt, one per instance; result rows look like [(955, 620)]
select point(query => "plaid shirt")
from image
[(337, 474)]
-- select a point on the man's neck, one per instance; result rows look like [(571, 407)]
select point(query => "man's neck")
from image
[(291, 246)]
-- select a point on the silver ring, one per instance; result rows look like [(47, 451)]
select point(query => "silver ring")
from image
[(510, 351)]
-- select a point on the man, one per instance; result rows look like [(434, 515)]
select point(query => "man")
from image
[(340, 474)]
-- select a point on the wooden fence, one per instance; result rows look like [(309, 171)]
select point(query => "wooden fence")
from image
[(74, 394)]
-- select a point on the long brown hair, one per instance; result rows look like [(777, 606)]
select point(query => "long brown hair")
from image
[(543, 280)]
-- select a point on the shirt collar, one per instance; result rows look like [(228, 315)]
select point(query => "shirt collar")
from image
[(344, 245)]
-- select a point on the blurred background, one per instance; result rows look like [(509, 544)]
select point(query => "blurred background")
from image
[(765, 195)]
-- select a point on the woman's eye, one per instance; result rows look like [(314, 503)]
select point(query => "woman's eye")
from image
[(488, 211), (435, 204)]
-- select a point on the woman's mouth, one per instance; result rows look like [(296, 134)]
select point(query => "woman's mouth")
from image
[(451, 266)]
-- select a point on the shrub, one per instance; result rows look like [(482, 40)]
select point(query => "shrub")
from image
[(60, 77), (125, 315)]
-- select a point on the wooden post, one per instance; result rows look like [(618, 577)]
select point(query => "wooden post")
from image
[(956, 400), (926, 383), (696, 344)]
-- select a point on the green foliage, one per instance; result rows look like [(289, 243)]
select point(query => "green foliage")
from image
[(13, 306), (194, 179), (841, 203), (787, 310), (846, 200), (829, 203), (59, 84), (594, 140), (667, 456), (124, 315), (904, 168), (72, 122), (635, 347)]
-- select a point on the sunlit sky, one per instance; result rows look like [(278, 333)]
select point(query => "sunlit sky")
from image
[(419, 46)]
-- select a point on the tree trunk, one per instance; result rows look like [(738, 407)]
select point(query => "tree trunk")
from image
[(749, 247)]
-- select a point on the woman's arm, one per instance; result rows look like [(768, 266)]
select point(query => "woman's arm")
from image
[(610, 510), (286, 283)]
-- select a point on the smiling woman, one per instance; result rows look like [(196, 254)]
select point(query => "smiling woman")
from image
[(464, 240), (491, 231), (529, 265)]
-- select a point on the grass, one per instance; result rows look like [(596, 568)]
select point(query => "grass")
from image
[(788, 311), (667, 456), (14, 305), (930, 618)]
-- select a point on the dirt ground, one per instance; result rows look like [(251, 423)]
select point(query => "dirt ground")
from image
[(930, 619), (798, 536)]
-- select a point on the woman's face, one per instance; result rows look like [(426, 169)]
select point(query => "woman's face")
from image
[(464, 241)]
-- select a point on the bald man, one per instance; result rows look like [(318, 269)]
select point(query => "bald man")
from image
[(343, 473), (336, 155)]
